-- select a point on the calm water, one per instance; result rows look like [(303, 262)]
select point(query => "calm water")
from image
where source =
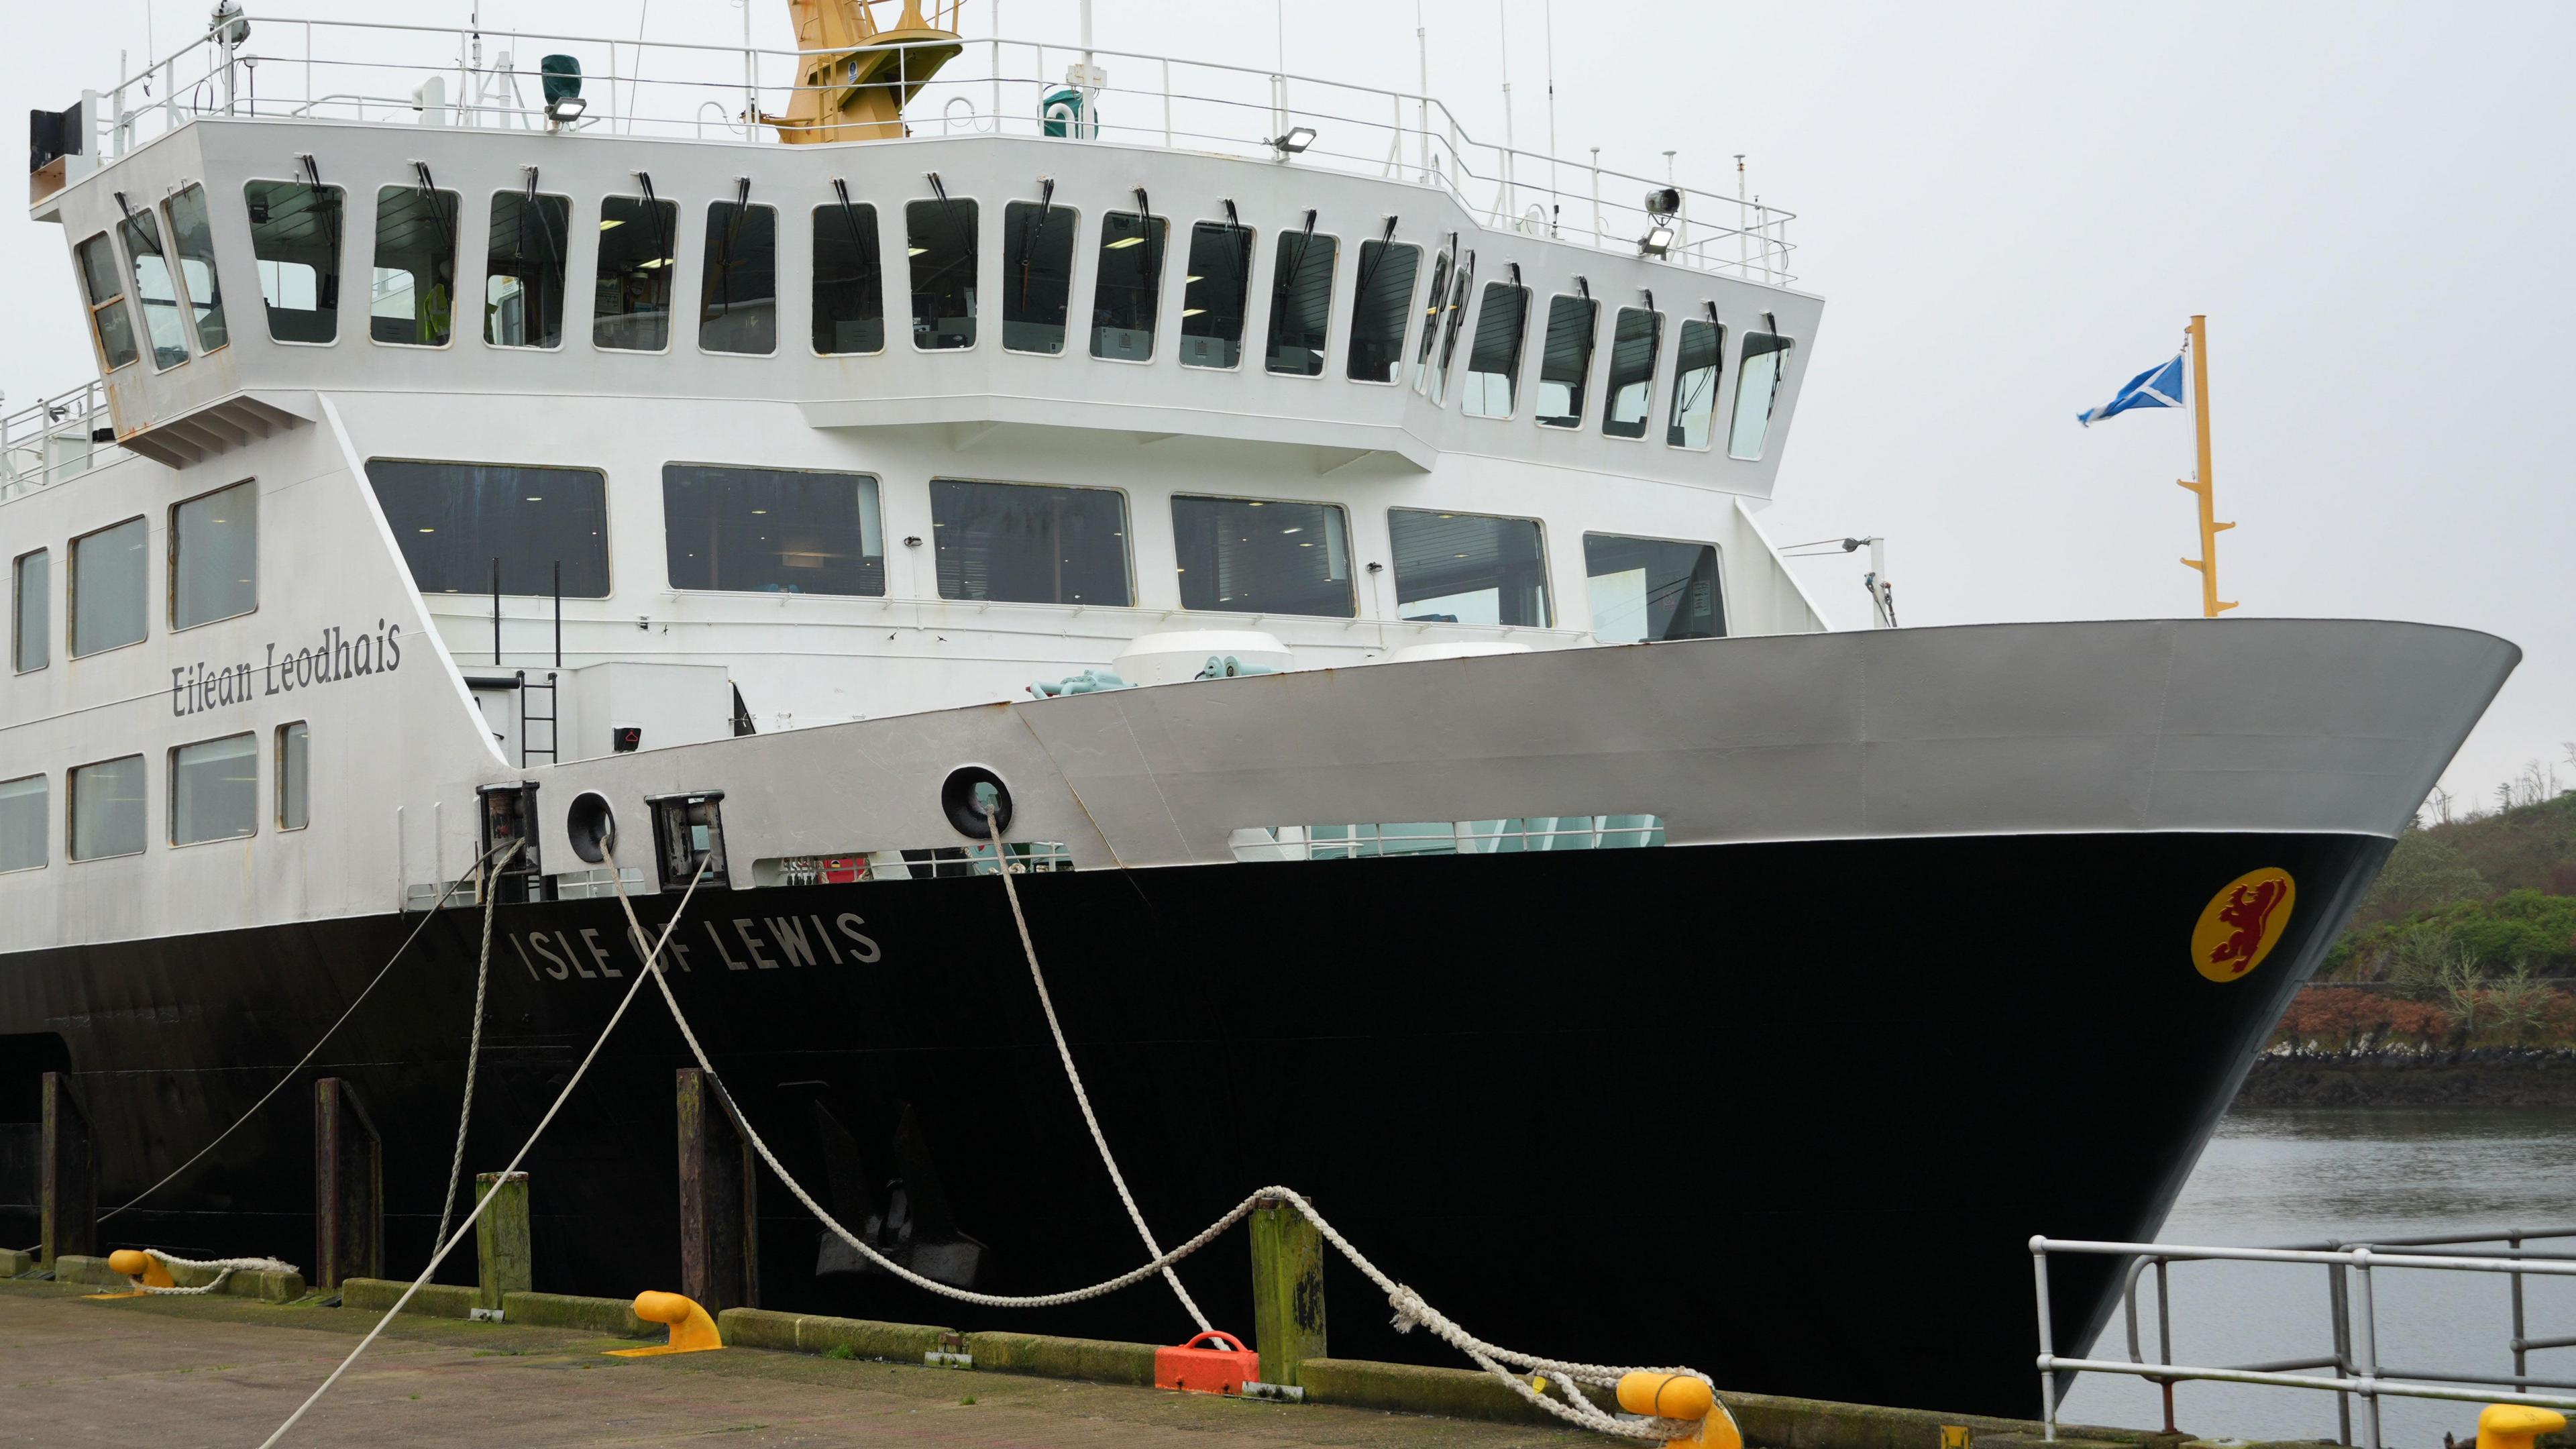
[(2298, 1175)]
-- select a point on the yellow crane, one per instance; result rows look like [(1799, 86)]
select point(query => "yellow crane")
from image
[(856, 78)]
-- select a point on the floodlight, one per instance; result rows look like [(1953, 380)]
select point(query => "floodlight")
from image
[(1657, 240), (1297, 139), (563, 110)]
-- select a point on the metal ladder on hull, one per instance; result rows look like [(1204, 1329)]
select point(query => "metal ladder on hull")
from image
[(529, 752)]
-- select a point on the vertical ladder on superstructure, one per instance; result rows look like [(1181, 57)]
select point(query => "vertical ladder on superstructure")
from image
[(528, 715)]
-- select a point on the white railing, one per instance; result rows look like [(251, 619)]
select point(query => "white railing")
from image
[(55, 439), (290, 67), (2355, 1359)]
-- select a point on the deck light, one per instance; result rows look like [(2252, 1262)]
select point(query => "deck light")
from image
[(1657, 241), (1297, 139), (564, 110)]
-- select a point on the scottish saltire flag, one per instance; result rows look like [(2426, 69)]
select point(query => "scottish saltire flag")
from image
[(2159, 386)]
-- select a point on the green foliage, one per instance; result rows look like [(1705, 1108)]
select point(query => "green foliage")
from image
[(2495, 934), (841, 1351), (2425, 871)]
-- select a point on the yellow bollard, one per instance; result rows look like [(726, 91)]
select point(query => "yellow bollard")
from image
[(1679, 1396), (692, 1331), (2514, 1426), (140, 1268)]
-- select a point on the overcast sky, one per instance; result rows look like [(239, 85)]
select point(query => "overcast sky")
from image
[(2009, 209)]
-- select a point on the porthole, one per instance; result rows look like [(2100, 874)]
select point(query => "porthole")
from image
[(968, 793)]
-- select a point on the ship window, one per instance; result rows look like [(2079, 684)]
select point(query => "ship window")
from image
[(1695, 384), (412, 300), (1565, 368), (1757, 387), (294, 775), (107, 812), (849, 280), (1651, 588), (1128, 297), (108, 323), (214, 790), (456, 520), (1022, 543), (192, 241), (1381, 305), (295, 235), (108, 582), (1212, 302), (1301, 302), (155, 290), (214, 556), (631, 303), (1433, 304), (940, 237), (1465, 568), (1632, 372), (523, 284), (738, 291), (31, 593), (1494, 363), (22, 822), (1450, 320), (773, 531), (1037, 275), (1262, 556)]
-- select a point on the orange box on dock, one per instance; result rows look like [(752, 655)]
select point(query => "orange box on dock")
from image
[(1195, 1370)]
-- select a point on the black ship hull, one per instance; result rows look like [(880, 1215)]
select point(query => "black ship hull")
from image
[(1787, 1112)]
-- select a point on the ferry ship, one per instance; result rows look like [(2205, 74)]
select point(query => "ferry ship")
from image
[(1428, 785)]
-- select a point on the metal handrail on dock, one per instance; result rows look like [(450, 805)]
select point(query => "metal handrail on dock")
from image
[(2355, 1359)]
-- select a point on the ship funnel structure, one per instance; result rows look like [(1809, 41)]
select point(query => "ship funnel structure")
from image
[(855, 89)]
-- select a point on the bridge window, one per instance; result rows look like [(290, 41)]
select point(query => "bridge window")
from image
[(940, 237), (156, 290), (1695, 384), (295, 236), (1757, 387), (1301, 302), (1433, 304), (523, 285), (1213, 300), (31, 593), (109, 325), (768, 530), (1465, 568), (412, 302), (1494, 363), (1128, 295), (214, 556), (294, 773), (1632, 372), (109, 578), (214, 790), (192, 240), (738, 291), (107, 811), (1022, 543), (1451, 319), (23, 805), (631, 310), (1262, 556), (1565, 368), (1037, 275), (1646, 589), (457, 521), (1381, 305), (849, 280)]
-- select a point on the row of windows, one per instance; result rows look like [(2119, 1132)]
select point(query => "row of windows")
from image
[(468, 528), (296, 237), (212, 570), (212, 566), (213, 795)]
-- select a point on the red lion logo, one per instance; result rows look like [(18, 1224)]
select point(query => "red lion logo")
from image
[(2248, 913)]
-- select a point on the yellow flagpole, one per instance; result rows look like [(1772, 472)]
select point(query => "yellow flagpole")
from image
[(2204, 484)]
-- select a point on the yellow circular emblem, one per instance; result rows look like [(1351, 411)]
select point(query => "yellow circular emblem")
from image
[(2242, 923)]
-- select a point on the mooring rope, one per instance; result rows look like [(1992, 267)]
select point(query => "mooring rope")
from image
[(652, 969), (224, 1268), (431, 914), (474, 1044), (1411, 1309)]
